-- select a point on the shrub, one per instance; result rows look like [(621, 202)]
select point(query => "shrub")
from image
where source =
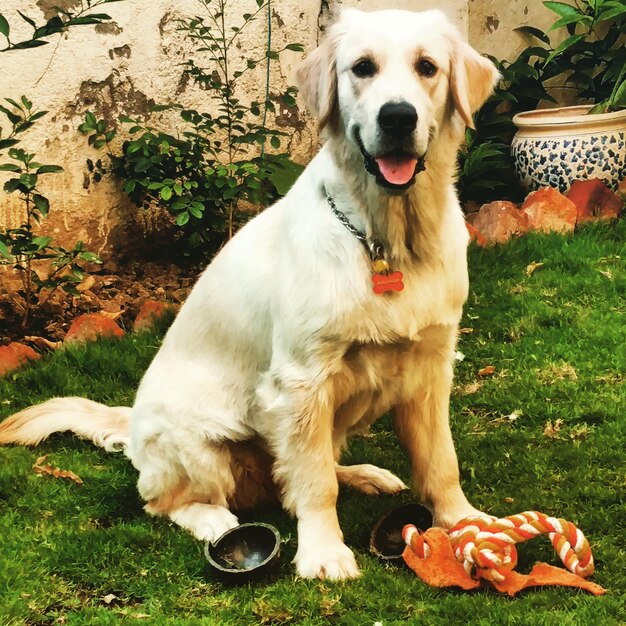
[(218, 161)]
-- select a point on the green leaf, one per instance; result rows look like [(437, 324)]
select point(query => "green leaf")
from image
[(49, 169), (563, 46), (570, 19), (562, 9), (4, 251), (13, 117), (166, 193), (7, 143), (533, 32), (27, 19), (90, 119), (4, 26), (284, 176), (35, 116), (611, 13), (182, 218), (91, 257), (9, 167), (12, 185), (129, 185), (41, 204), (143, 165), (597, 108), (41, 242), (275, 142), (619, 100), (195, 211), (34, 43)]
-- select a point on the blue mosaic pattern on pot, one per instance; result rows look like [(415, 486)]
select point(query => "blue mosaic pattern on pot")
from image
[(557, 161)]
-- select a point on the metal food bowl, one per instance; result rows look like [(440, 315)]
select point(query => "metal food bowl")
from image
[(386, 539), (245, 553)]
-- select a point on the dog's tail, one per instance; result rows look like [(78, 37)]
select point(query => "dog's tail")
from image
[(107, 427)]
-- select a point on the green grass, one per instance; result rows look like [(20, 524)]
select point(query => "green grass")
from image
[(556, 339)]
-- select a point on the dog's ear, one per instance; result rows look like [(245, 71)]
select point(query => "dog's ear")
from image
[(317, 81), (472, 79)]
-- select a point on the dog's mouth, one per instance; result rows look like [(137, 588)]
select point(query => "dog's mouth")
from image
[(394, 170)]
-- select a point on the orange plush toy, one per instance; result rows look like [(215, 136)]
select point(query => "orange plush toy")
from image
[(483, 548)]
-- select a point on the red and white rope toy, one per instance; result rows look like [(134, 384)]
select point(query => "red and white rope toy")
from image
[(485, 547)]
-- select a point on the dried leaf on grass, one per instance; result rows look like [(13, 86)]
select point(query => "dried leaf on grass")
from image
[(557, 372), (531, 268), (470, 388), (43, 343), (552, 430), (488, 370), (39, 468)]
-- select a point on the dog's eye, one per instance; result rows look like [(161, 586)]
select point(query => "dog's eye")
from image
[(426, 68), (364, 68)]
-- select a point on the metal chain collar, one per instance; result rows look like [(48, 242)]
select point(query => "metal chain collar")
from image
[(373, 247)]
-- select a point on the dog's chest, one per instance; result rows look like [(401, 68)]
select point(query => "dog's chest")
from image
[(430, 296)]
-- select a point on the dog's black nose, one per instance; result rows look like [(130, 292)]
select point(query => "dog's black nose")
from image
[(397, 119)]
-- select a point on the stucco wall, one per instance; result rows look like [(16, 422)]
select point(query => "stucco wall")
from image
[(123, 68)]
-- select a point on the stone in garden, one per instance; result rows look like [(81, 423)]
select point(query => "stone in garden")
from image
[(475, 235), (549, 210), (90, 326), (498, 221), (594, 200), (14, 355), (150, 312)]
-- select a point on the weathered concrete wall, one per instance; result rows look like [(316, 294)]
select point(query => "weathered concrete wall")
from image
[(124, 67), (492, 23)]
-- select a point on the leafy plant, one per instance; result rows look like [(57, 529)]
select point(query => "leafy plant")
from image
[(485, 162), (218, 161), (21, 247), (593, 56), (591, 60), (58, 23)]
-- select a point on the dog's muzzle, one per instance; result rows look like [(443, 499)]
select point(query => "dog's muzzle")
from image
[(395, 170)]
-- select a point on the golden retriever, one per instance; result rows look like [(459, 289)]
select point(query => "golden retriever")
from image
[(284, 347)]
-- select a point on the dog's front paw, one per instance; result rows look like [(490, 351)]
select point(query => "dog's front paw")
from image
[(335, 562), (206, 522)]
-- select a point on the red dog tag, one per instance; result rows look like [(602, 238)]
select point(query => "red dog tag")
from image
[(387, 282)]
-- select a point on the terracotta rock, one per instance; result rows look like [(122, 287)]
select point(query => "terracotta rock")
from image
[(151, 310), (549, 210), (14, 355), (621, 190), (594, 200), (499, 221), (90, 326), (475, 235)]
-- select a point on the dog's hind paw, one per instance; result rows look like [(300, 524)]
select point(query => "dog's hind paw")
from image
[(369, 479), (331, 563)]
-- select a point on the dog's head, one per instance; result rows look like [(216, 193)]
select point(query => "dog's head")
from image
[(388, 81)]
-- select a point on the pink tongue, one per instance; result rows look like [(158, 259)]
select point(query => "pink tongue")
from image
[(397, 170)]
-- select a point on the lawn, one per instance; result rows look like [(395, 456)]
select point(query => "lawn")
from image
[(546, 431)]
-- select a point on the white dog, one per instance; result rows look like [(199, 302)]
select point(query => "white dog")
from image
[(284, 348)]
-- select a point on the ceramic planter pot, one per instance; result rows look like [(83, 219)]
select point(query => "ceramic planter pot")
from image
[(554, 147)]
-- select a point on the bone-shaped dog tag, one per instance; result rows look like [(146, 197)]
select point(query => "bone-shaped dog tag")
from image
[(387, 282)]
